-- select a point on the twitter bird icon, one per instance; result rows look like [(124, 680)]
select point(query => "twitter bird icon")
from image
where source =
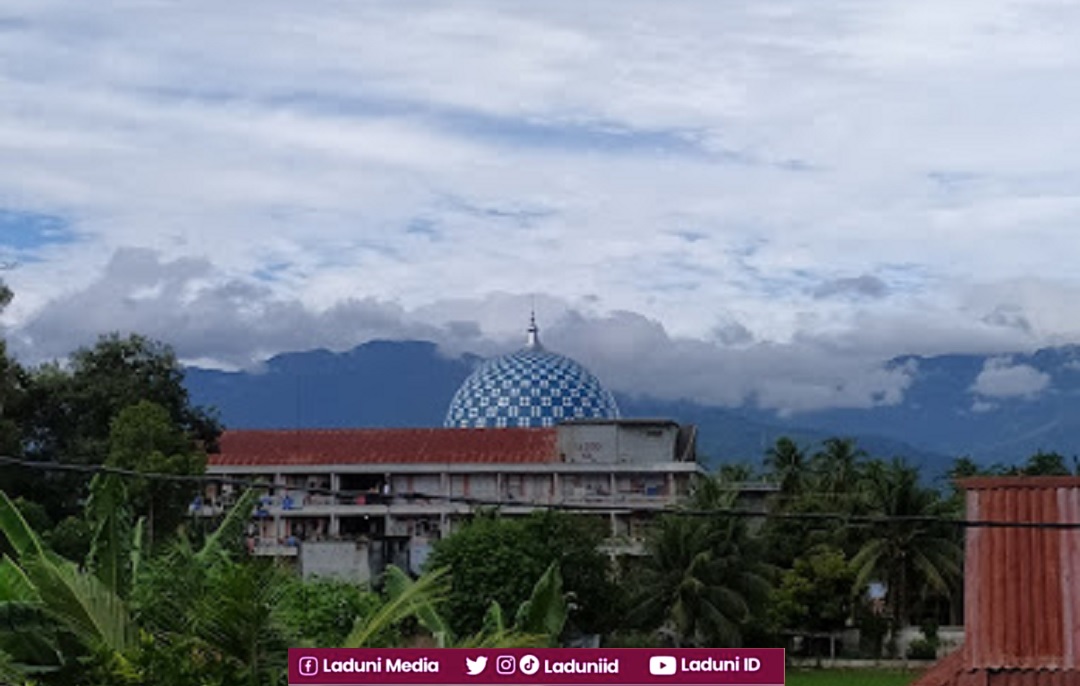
[(476, 666)]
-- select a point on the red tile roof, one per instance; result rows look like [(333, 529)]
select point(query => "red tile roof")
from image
[(386, 446)]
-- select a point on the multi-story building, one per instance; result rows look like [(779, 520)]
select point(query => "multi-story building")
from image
[(349, 501), (532, 429)]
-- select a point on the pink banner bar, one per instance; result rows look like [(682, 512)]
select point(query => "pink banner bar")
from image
[(540, 667)]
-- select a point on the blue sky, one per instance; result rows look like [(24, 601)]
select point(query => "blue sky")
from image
[(25, 234), (765, 199)]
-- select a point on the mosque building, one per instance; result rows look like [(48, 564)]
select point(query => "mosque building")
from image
[(531, 387), (529, 430)]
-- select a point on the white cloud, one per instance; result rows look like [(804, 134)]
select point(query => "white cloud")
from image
[(1000, 378), (213, 319), (709, 168)]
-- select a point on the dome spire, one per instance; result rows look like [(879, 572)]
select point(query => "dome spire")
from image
[(534, 332)]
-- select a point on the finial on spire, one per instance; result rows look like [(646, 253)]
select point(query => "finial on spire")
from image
[(534, 331)]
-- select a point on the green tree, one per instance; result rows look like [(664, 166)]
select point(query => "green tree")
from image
[(145, 439), (787, 465), (815, 595), (68, 411), (1046, 464), (323, 611), (12, 396), (703, 580), (736, 472), (837, 468), (70, 537), (910, 551), (499, 559), (962, 468), (236, 617)]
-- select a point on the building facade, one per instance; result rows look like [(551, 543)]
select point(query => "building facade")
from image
[(348, 502)]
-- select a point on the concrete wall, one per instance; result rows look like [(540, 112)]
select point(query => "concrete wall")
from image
[(417, 483), (631, 443), (950, 637), (483, 486), (419, 550), (340, 559), (588, 443), (647, 444)]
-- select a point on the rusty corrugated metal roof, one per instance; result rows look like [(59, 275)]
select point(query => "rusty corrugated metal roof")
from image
[(984, 483), (386, 446), (1021, 593), (1020, 596), (951, 671)]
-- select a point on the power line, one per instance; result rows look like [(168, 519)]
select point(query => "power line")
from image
[(846, 518)]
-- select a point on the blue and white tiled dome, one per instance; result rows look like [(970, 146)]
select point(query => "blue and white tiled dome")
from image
[(529, 388)]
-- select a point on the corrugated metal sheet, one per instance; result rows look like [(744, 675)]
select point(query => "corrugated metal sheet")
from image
[(1021, 601), (386, 446), (951, 672)]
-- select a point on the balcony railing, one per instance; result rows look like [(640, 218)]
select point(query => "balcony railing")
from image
[(377, 503)]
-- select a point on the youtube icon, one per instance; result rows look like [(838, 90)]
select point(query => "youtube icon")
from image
[(663, 665)]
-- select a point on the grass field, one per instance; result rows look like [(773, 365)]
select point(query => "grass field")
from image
[(848, 677)]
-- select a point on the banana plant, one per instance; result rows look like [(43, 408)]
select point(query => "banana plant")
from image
[(538, 622), (66, 601)]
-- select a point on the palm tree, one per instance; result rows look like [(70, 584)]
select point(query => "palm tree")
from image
[(236, 619), (908, 554), (703, 576), (838, 471), (786, 463)]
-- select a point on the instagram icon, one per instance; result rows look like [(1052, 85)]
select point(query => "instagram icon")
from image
[(506, 664), (309, 666)]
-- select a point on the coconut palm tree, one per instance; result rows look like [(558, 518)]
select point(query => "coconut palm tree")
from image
[(837, 467), (908, 555), (703, 575), (787, 465)]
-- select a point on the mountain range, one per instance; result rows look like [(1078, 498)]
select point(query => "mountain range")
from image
[(993, 409)]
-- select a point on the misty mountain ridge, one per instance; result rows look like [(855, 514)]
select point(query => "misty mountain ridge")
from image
[(992, 408)]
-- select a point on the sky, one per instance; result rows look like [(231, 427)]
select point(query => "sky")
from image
[(727, 202)]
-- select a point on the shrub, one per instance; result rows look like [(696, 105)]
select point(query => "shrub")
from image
[(922, 649)]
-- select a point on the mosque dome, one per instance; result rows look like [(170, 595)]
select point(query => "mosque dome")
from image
[(532, 387)]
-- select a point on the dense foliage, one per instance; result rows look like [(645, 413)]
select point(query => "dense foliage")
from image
[(496, 559)]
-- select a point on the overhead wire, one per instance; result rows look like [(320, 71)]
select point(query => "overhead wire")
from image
[(848, 518)]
